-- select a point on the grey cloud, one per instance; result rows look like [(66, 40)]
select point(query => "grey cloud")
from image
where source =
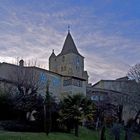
[(33, 35)]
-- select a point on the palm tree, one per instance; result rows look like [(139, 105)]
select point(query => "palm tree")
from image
[(75, 108)]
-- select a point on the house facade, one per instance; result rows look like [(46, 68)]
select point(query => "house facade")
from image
[(122, 91)]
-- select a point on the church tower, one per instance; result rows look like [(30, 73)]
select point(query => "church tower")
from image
[(69, 62)]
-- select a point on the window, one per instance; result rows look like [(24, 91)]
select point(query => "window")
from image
[(95, 98), (77, 82), (74, 82), (77, 61), (67, 82)]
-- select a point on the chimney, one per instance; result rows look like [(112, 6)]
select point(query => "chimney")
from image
[(21, 63)]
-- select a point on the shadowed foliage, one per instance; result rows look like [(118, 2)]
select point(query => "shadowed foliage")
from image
[(74, 110)]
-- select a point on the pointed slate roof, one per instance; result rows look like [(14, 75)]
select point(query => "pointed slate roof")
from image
[(52, 55), (69, 46)]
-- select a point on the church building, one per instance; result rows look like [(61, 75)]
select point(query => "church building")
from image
[(66, 73), (70, 65)]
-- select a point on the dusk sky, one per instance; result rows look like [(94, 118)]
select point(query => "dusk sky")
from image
[(106, 32)]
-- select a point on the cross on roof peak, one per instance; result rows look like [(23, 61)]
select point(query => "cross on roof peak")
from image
[(68, 28)]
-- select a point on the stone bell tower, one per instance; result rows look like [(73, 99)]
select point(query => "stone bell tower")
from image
[(69, 62)]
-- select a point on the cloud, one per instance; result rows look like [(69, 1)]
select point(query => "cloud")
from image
[(31, 41), (100, 68), (31, 32), (108, 57)]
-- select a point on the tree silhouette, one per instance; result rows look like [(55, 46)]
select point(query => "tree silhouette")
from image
[(74, 109), (134, 74)]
